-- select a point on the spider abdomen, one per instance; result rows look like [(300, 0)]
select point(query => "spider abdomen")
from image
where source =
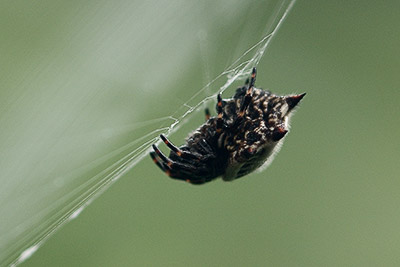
[(237, 169)]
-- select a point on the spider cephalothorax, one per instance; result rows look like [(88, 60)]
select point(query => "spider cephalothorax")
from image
[(245, 135)]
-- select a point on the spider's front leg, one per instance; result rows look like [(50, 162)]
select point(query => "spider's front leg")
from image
[(207, 114), (220, 121), (183, 165), (249, 93)]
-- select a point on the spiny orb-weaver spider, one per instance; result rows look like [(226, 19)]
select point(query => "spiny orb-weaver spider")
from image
[(246, 133)]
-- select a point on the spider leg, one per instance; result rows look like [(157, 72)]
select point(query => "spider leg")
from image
[(169, 164), (220, 114), (249, 93), (205, 147), (171, 146), (178, 170), (155, 160), (163, 166), (253, 77), (189, 173), (207, 111), (162, 157), (177, 151)]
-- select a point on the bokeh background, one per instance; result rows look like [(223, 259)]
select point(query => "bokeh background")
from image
[(81, 80)]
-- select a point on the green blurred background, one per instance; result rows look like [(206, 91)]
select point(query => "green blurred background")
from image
[(80, 80)]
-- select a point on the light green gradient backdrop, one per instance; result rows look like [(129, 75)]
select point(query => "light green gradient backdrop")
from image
[(75, 76)]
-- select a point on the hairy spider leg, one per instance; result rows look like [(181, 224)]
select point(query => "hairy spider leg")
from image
[(175, 169), (207, 111), (253, 77), (171, 146), (205, 147), (249, 93), (177, 151), (220, 114), (155, 160), (165, 167), (165, 163), (162, 156)]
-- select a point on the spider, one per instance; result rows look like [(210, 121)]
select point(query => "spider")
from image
[(246, 133)]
